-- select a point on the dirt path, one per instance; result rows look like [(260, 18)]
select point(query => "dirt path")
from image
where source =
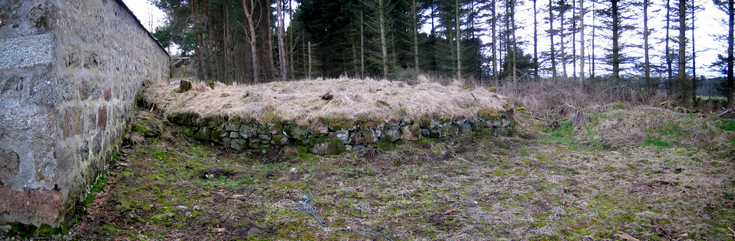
[(544, 185)]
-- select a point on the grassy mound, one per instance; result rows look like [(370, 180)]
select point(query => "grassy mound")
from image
[(301, 101)]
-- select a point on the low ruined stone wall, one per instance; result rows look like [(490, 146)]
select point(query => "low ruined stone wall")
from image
[(334, 136), (69, 73)]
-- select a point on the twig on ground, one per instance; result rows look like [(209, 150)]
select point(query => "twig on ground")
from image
[(571, 106), (625, 236), (661, 229)]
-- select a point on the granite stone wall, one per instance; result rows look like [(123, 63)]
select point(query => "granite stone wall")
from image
[(69, 73), (333, 136)]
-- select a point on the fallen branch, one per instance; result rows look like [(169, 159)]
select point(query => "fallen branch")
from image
[(662, 110), (724, 113)]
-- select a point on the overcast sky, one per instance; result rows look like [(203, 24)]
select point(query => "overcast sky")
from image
[(708, 21)]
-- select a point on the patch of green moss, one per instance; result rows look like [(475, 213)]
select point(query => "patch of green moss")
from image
[(617, 105), (563, 134), (725, 124), (140, 101), (670, 129), (490, 114), (22, 230), (140, 127), (203, 134), (338, 146), (183, 118), (270, 116), (386, 146), (338, 123), (188, 131), (46, 229), (657, 142), (160, 154), (97, 187)]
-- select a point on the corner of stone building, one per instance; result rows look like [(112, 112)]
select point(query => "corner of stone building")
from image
[(66, 98)]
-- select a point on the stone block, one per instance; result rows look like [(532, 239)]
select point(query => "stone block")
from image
[(107, 94), (41, 204), (295, 132), (327, 146), (232, 125), (248, 131), (411, 132), (27, 51), (392, 134), (238, 144), (9, 163), (97, 144), (365, 137), (102, 117), (344, 136)]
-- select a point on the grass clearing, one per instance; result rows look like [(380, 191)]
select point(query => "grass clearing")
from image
[(547, 184)]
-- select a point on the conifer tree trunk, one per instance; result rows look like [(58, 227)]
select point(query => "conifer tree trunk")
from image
[(248, 10), (362, 46), (515, 44), (647, 62), (414, 11), (355, 60), (535, 42), (693, 92), (384, 49), (594, 46), (574, 38), (730, 33), (508, 48), (669, 61), (494, 43), (304, 56), (269, 41), (291, 44), (683, 88), (562, 12), (459, 40), (309, 47), (615, 41), (281, 48), (582, 12), (551, 35)]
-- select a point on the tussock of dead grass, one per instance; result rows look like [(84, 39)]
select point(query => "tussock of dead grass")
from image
[(301, 101)]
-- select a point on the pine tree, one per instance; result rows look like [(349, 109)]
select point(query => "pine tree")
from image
[(729, 9)]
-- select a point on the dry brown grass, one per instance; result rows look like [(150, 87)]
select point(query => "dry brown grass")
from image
[(550, 100), (301, 101)]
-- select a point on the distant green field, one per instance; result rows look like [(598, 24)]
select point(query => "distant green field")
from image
[(717, 98)]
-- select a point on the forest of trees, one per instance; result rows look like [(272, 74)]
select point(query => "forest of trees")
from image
[(250, 41)]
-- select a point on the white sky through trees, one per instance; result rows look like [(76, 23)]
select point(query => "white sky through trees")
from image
[(709, 22)]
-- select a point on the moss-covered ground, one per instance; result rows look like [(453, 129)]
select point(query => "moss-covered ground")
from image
[(626, 171)]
